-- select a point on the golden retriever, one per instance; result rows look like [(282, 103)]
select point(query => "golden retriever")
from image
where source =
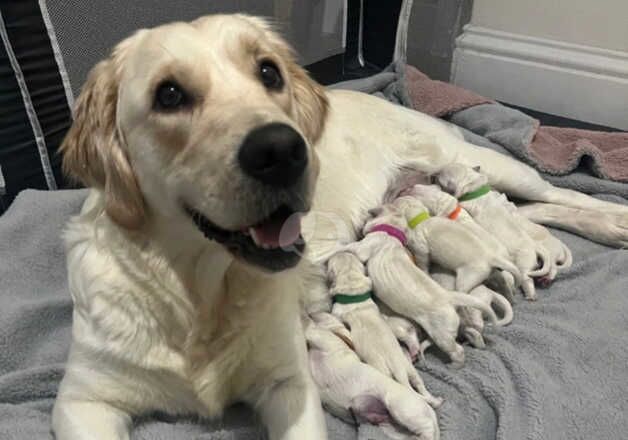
[(202, 143)]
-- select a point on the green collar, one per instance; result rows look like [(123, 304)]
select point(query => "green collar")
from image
[(417, 219), (341, 298), (483, 190)]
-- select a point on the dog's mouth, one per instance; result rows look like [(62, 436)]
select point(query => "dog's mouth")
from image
[(273, 243)]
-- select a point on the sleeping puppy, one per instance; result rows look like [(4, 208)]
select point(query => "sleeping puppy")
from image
[(405, 288), (372, 339), (441, 204), (356, 392), (450, 245), (489, 210), (471, 322)]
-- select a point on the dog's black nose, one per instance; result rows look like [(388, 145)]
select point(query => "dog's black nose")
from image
[(274, 154)]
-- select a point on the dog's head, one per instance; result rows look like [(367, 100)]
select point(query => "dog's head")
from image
[(209, 123), (436, 200), (347, 275), (410, 206), (458, 179), (388, 214)]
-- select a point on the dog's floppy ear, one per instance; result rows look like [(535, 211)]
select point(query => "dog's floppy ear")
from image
[(311, 103), (93, 150)]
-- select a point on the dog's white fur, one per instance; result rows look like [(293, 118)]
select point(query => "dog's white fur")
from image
[(451, 245), (441, 204), (372, 338), (355, 391), (491, 212), (166, 320), (408, 290)]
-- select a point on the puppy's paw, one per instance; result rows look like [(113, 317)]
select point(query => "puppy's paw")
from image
[(457, 357), (474, 337)]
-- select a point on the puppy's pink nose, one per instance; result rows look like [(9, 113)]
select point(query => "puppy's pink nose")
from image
[(274, 154)]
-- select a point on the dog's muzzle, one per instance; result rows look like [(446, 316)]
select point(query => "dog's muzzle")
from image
[(275, 157)]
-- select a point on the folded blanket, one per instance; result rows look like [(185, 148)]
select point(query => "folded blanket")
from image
[(553, 150), (438, 98), (561, 150)]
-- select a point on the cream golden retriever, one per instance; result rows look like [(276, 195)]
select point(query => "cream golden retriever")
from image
[(204, 143)]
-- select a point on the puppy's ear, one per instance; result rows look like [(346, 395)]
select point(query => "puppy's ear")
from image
[(93, 150), (310, 102)]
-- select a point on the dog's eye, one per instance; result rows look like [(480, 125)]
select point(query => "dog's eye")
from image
[(170, 96), (270, 76)]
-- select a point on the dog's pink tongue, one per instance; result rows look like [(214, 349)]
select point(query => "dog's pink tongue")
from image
[(279, 232)]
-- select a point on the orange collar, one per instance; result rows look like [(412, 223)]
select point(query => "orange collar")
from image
[(455, 213)]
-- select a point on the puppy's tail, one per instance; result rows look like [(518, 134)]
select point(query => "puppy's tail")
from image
[(506, 265), (546, 262), (567, 259), (460, 299), (504, 307)]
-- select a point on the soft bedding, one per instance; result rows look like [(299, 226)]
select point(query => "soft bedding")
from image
[(559, 371)]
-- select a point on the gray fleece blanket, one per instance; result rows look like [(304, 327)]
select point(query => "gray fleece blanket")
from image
[(559, 371)]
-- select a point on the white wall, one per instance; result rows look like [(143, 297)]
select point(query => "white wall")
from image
[(564, 57), (599, 23)]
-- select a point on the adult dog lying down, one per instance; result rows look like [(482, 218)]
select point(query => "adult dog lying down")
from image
[(200, 140)]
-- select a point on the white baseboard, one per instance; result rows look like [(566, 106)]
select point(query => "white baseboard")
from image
[(569, 80)]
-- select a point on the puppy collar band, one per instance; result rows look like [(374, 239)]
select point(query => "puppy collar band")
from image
[(392, 231), (418, 219), (342, 298), (483, 190), (455, 213)]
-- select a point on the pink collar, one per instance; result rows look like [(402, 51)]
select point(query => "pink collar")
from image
[(392, 231)]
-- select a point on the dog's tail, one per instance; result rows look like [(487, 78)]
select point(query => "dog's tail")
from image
[(543, 254), (504, 264), (504, 308), (460, 299)]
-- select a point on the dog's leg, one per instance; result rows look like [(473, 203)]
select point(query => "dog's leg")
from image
[(445, 339), (600, 226), (89, 420), (504, 282), (291, 410), (521, 181), (474, 337), (469, 277)]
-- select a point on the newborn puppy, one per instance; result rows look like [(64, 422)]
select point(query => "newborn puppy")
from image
[(487, 208), (355, 391), (372, 338), (405, 288), (441, 204), (450, 245), (471, 322)]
